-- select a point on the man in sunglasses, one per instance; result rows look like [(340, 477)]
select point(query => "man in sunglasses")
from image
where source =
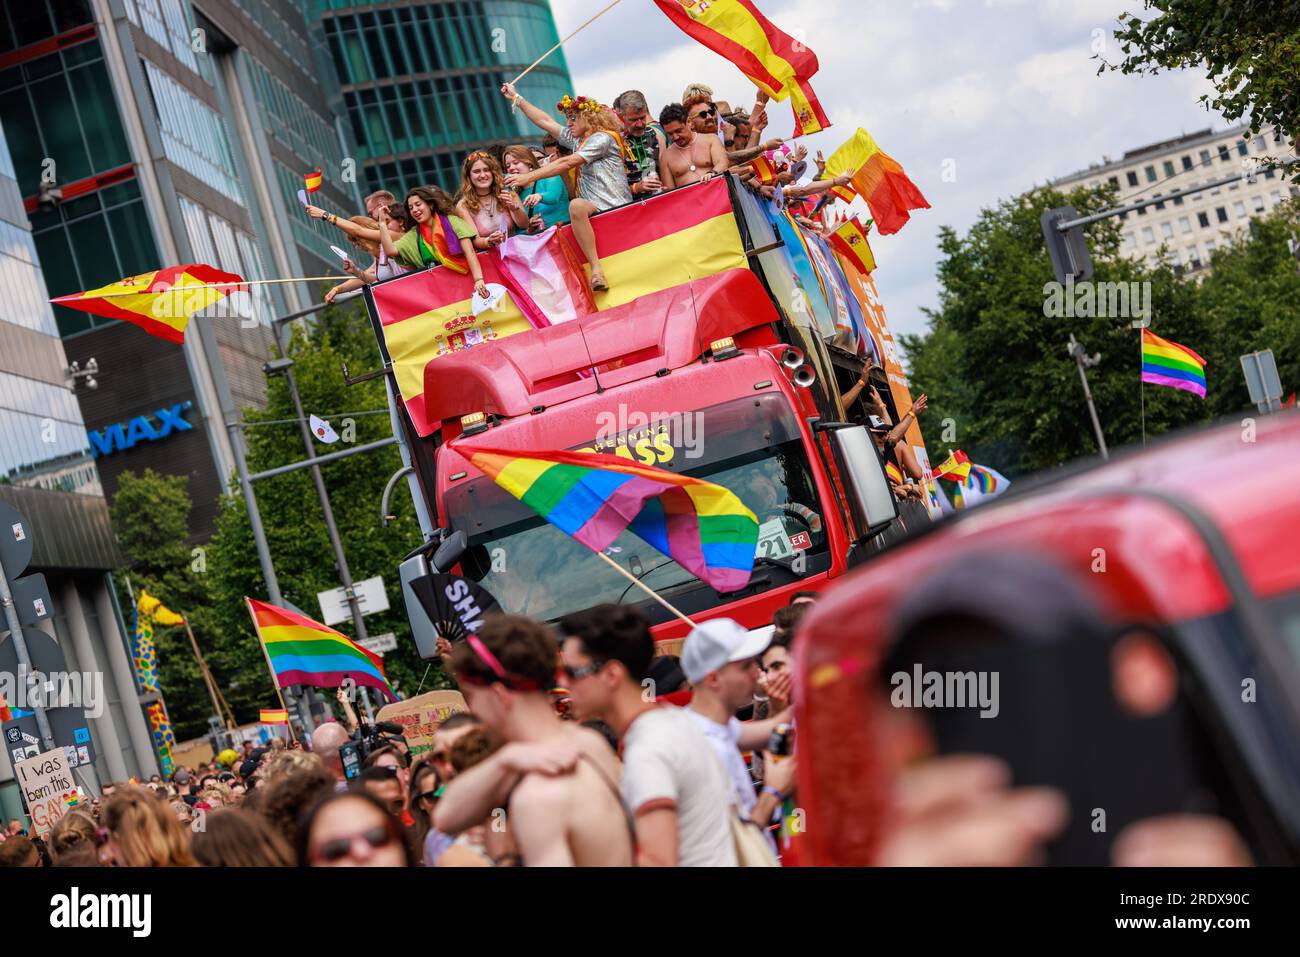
[(558, 781), (691, 156)]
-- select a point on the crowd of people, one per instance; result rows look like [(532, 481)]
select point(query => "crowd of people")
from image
[(582, 747), (600, 158)]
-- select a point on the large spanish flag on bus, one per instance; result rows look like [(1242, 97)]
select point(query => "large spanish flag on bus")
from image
[(645, 247)]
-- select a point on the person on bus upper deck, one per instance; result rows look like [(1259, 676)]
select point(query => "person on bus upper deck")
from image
[(439, 237), (483, 200), (699, 93), (547, 200), (594, 134), (646, 141), (690, 157)]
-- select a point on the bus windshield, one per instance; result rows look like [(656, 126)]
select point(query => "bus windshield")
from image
[(751, 446)]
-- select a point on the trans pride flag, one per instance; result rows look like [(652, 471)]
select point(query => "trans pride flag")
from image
[(593, 498)]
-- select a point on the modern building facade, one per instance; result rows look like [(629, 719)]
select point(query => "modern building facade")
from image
[(1190, 228), (48, 475), (420, 82)]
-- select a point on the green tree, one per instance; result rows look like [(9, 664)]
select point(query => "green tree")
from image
[(291, 512), (150, 517), (1249, 48), (1002, 386)]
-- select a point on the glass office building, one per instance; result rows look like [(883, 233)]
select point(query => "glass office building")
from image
[(420, 82)]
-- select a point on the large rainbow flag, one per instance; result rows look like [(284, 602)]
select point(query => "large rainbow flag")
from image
[(774, 61), (159, 302), (594, 498), (877, 178), (1168, 363), (305, 652)]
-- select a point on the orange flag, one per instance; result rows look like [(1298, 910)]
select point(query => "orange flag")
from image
[(879, 180), (159, 302)]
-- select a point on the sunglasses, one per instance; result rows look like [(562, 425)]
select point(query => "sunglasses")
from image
[(711, 111), (428, 795), (585, 671), (339, 848)]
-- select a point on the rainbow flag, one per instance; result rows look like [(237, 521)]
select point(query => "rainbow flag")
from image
[(773, 61), (595, 497), (305, 652), (312, 181), (879, 180), (1168, 363), (850, 241), (987, 481), (159, 302), (956, 464), (273, 716)]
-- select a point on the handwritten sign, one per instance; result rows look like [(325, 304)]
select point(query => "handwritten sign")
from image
[(48, 788), (420, 716)]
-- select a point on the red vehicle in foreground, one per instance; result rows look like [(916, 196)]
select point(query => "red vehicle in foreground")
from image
[(1190, 545)]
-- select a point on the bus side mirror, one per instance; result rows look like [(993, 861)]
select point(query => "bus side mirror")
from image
[(451, 551), (865, 484)]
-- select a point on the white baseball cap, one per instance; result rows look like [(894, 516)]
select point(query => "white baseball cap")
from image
[(719, 642)]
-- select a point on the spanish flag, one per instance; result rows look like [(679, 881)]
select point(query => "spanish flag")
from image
[(764, 169), (879, 180), (312, 181), (850, 241), (894, 472), (159, 302), (273, 716), (955, 468), (773, 61)]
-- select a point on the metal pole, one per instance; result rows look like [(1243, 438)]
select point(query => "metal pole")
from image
[(340, 559), (322, 459), (1077, 351), (24, 660)]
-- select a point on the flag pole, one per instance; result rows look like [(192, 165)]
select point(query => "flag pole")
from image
[(275, 682), (1142, 392), (644, 587), (538, 61), (172, 290)]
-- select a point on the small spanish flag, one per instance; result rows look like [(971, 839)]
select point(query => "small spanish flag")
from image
[(159, 302), (850, 241), (273, 716), (809, 117), (895, 474), (312, 181), (954, 468), (764, 169), (879, 180)]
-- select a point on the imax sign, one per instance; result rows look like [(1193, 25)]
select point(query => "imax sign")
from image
[(125, 435)]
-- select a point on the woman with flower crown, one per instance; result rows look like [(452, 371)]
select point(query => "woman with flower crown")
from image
[(595, 134)]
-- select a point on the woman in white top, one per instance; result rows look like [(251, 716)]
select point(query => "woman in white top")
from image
[(484, 201)]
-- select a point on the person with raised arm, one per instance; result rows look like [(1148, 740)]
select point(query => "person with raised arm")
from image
[(439, 237), (594, 134)]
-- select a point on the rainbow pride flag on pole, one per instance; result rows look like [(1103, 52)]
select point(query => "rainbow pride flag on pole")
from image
[(1168, 363), (305, 652), (594, 498)]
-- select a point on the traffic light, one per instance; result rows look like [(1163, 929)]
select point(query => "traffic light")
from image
[(1068, 250)]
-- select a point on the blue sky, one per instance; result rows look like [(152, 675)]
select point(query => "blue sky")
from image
[(1002, 92)]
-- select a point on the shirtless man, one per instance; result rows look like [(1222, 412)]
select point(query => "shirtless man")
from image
[(689, 157), (558, 781)]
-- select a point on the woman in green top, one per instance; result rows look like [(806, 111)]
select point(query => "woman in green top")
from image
[(547, 200), (440, 238)]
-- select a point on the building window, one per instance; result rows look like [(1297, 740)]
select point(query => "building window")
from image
[(1261, 144), (1259, 204), (1222, 214), (1130, 241), (1185, 223), (1210, 246), (1193, 257), (1151, 174), (1148, 236), (1159, 206), (1224, 155), (1203, 220), (43, 443), (1167, 230), (194, 136), (1113, 180), (1240, 209), (1169, 168), (1141, 210), (1178, 201), (1206, 159), (1187, 163), (1132, 178), (1241, 148)]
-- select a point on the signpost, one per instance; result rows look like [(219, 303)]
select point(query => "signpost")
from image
[(370, 594), (380, 643), (1262, 380)]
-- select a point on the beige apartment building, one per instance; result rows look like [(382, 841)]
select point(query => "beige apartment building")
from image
[(1190, 228)]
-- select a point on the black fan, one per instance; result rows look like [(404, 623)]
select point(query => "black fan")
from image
[(455, 605)]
